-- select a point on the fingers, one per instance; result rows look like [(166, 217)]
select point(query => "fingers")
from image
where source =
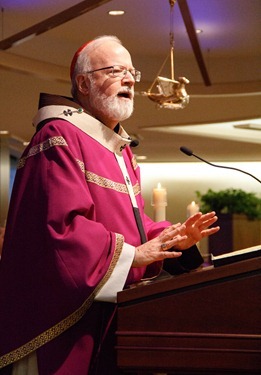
[(153, 251), (172, 236), (209, 232), (207, 217), (177, 236), (200, 217), (192, 219), (202, 221), (170, 254), (172, 231), (167, 245)]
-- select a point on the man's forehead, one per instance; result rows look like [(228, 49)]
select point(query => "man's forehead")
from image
[(112, 53)]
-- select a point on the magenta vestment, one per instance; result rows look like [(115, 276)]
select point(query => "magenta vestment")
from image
[(70, 217)]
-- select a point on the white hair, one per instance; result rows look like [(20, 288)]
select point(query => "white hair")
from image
[(83, 62)]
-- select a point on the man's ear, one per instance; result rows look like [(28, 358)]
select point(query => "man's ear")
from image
[(83, 85)]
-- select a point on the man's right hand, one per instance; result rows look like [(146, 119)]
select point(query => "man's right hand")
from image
[(157, 248)]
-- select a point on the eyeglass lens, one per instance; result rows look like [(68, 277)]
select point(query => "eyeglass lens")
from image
[(122, 71)]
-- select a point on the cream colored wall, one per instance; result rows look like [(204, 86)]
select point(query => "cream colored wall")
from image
[(182, 180)]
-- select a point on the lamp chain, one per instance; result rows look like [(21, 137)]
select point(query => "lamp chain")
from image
[(171, 36)]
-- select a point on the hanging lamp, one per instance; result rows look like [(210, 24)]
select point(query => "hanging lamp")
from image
[(171, 93)]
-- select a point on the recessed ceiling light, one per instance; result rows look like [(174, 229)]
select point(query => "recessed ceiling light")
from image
[(116, 12), (199, 31), (141, 157)]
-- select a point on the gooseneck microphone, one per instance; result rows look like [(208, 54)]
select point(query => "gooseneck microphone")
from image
[(188, 152)]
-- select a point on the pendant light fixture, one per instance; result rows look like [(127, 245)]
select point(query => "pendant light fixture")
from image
[(171, 93)]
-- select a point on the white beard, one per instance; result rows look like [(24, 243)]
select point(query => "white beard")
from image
[(111, 106)]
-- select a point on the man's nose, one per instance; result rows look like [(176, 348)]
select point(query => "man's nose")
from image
[(129, 77)]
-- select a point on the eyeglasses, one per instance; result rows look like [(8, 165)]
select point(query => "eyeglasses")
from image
[(120, 71)]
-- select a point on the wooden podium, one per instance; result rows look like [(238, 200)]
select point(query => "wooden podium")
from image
[(204, 322)]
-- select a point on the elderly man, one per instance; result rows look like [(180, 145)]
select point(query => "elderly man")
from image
[(76, 231)]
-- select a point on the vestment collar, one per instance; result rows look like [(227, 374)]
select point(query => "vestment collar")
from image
[(58, 107)]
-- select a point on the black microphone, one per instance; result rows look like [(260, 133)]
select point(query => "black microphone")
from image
[(188, 152)]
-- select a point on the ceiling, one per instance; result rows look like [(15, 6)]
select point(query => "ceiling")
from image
[(229, 48)]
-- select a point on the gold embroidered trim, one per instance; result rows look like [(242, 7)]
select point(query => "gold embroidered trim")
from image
[(105, 182), (115, 258), (109, 184), (134, 162), (136, 188), (46, 336), (81, 165), (66, 323), (51, 142)]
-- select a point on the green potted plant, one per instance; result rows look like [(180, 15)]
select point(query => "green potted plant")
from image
[(239, 217), (231, 201)]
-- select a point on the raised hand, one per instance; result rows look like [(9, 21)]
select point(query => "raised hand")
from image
[(157, 248), (197, 227)]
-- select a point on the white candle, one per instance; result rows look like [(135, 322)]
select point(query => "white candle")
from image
[(159, 202), (192, 208)]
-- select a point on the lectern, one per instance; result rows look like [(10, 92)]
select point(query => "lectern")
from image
[(204, 322)]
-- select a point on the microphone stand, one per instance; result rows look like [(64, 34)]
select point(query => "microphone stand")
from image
[(188, 152)]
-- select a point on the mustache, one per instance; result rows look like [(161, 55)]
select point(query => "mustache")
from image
[(126, 91)]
